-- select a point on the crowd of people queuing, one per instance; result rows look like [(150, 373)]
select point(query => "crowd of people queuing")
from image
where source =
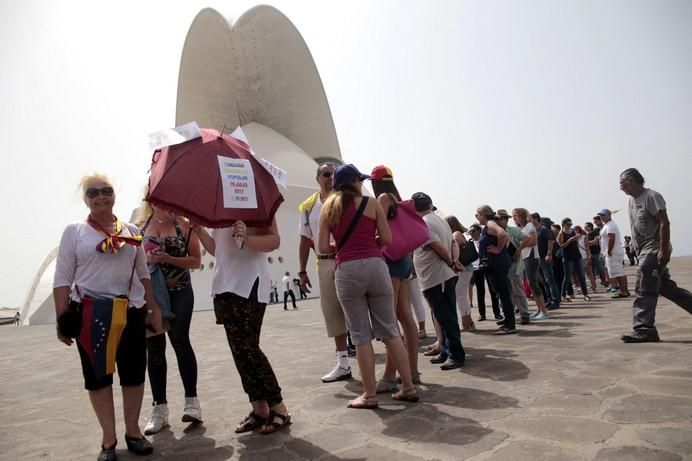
[(365, 295)]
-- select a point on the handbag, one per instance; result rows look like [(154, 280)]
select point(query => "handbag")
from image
[(409, 231), (468, 254)]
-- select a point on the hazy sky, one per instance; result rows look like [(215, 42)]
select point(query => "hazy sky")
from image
[(539, 104)]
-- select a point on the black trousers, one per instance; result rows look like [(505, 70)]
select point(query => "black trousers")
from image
[(443, 302), (498, 278), (479, 281), (182, 303), (293, 298)]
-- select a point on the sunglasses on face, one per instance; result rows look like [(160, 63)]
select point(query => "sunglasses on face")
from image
[(94, 192), (326, 174)]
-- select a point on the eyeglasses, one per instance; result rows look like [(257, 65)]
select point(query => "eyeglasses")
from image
[(94, 192), (326, 174)]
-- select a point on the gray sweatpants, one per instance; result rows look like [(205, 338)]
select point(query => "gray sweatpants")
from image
[(364, 289), (652, 281), (516, 282)]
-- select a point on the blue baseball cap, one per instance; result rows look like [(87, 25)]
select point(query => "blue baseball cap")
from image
[(347, 173), (604, 212)]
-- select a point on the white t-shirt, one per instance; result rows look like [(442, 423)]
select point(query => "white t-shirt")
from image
[(237, 269), (99, 274), (530, 229), (286, 280), (582, 246), (611, 228), (431, 269)]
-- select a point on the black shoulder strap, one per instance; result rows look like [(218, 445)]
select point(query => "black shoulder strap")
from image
[(354, 222), (144, 228)]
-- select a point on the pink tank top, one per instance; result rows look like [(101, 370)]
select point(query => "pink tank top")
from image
[(361, 244)]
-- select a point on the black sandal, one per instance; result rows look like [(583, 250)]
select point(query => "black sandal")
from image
[(250, 423), (272, 426)]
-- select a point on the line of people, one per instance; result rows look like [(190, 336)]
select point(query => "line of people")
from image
[(115, 279)]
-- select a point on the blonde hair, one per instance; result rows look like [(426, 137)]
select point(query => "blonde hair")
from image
[(523, 214), (487, 211), (334, 207), (87, 178)]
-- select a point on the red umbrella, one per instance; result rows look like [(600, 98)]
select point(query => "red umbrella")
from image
[(213, 180)]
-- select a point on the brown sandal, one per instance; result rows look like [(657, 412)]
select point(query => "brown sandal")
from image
[(250, 423), (272, 426), (363, 402)]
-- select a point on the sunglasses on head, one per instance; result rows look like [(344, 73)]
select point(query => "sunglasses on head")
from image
[(94, 192), (326, 174)]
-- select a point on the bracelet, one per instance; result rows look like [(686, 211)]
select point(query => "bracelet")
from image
[(302, 273), (150, 311)]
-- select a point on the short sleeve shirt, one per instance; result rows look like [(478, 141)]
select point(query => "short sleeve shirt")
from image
[(544, 236), (431, 269), (646, 230), (311, 227), (611, 228), (529, 229)]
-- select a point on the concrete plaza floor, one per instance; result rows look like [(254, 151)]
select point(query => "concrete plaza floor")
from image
[(564, 389)]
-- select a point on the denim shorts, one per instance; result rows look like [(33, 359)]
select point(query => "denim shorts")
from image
[(401, 268)]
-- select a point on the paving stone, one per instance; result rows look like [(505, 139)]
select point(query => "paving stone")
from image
[(566, 404), (668, 438), (649, 408), (635, 454), (561, 429), (526, 450), (573, 382)]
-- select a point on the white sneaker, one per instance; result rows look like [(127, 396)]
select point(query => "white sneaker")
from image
[(337, 374), (541, 316), (158, 419), (192, 413)]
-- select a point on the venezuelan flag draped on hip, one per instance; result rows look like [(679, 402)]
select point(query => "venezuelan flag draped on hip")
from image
[(103, 321)]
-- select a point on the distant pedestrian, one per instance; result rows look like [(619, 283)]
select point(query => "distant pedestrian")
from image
[(288, 291), (17, 319), (629, 251), (651, 238)]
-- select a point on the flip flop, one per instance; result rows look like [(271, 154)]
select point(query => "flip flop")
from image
[(250, 423), (272, 425), (363, 403), (504, 331)]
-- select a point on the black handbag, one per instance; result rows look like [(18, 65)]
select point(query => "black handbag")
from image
[(70, 322), (468, 254)]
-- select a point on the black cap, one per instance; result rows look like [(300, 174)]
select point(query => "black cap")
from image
[(423, 201)]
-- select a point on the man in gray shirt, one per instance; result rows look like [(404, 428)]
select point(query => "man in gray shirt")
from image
[(651, 239)]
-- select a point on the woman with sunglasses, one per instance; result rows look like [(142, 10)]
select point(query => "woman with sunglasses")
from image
[(171, 245), (492, 250), (100, 263), (400, 271)]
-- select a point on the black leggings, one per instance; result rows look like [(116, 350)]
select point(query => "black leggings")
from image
[(182, 303)]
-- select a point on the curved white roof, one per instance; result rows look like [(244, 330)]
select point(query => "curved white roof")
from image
[(256, 70)]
